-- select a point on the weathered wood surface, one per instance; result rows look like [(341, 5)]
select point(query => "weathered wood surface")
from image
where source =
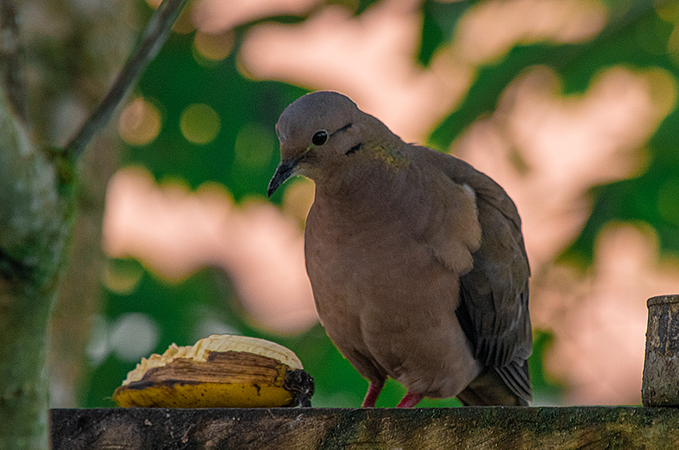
[(324, 428), (660, 385)]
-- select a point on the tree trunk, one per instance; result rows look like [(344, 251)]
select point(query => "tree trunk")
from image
[(35, 210), (39, 189)]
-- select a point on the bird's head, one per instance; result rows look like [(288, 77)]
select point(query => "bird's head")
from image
[(322, 133)]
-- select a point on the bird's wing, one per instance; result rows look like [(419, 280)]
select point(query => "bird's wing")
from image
[(493, 309)]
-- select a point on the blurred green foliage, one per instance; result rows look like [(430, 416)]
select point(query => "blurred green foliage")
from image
[(174, 81), (635, 37), (438, 26)]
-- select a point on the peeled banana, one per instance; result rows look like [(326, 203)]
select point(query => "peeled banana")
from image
[(220, 371)]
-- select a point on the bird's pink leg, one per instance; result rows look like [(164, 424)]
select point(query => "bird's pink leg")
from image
[(373, 391), (411, 399)]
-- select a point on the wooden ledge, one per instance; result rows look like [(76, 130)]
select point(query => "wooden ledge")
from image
[(330, 428)]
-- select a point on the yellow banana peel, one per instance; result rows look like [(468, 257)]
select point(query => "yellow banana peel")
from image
[(221, 371)]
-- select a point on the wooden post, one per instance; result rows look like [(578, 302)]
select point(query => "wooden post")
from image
[(660, 385)]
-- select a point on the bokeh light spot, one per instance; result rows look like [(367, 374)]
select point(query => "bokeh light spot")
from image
[(213, 47), (254, 146), (298, 197), (139, 123), (673, 45), (97, 348), (133, 336), (199, 123), (663, 90), (122, 276)]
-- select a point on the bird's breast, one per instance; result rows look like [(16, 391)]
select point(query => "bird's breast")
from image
[(378, 283)]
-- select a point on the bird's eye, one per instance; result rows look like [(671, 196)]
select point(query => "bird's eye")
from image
[(320, 137)]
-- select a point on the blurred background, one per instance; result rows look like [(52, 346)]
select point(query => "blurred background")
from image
[(569, 104)]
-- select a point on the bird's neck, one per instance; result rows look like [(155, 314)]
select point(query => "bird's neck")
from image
[(360, 192)]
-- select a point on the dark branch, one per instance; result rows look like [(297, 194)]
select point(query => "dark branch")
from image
[(152, 40)]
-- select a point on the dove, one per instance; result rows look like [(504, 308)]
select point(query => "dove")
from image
[(416, 260)]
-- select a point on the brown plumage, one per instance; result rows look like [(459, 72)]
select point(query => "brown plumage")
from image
[(416, 259)]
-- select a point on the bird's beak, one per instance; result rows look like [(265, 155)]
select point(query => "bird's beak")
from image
[(284, 171)]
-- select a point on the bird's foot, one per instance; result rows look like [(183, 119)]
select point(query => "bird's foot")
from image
[(373, 392), (411, 399)]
